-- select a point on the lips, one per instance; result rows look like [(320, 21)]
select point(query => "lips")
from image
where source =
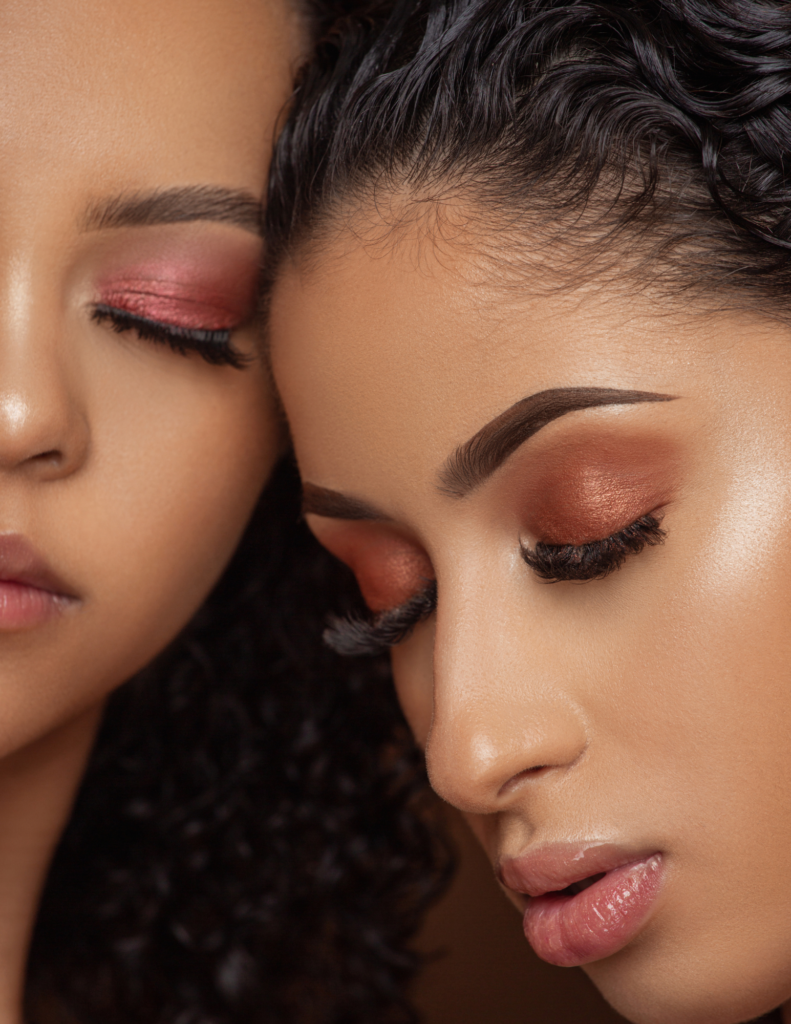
[(30, 590), (586, 902)]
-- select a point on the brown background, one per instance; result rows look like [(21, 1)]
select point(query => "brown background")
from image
[(488, 973)]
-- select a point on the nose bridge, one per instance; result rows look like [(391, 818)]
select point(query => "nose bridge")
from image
[(43, 425), (502, 709)]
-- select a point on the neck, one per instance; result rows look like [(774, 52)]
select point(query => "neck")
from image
[(37, 789)]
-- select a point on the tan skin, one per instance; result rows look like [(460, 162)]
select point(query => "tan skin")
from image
[(129, 467), (651, 708)]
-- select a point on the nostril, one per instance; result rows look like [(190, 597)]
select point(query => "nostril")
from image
[(536, 771), (51, 459)]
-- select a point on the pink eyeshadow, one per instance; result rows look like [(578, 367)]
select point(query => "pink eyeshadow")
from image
[(190, 293), (178, 309)]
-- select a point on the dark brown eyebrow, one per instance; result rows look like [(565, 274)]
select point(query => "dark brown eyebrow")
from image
[(476, 459), (323, 502), (176, 206)]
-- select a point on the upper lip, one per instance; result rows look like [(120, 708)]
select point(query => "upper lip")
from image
[(21, 563), (554, 867)]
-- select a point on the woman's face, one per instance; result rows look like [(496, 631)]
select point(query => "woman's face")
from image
[(633, 729), (134, 141)]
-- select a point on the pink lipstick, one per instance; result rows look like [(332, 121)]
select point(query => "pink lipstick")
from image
[(30, 592), (586, 902)]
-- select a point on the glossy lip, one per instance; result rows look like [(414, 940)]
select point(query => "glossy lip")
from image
[(570, 929), (30, 590)]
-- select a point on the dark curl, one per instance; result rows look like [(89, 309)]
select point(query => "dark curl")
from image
[(640, 139), (248, 845)]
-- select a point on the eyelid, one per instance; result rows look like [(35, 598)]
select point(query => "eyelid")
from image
[(584, 481), (353, 636), (167, 306), (214, 347), (594, 560), (389, 566)]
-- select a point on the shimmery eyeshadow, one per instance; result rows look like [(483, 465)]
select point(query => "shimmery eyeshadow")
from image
[(182, 282), (592, 486), (166, 302), (389, 568)]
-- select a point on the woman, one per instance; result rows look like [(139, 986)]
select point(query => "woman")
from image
[(530, 325), (224, 861)]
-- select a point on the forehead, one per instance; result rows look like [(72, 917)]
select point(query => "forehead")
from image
[(140, 87), (388, 361)]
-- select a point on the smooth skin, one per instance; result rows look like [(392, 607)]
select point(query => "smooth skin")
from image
[(651, 709), (130, 468)]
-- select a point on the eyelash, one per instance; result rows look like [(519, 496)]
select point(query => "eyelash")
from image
[(353, 636), (556, 563), (213, 346)]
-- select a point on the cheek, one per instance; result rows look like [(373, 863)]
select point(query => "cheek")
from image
[(171, 503), (413, 672), (144, 531)]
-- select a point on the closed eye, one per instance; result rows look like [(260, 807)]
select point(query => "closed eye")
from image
[(355, 636), (556, 563), (214, 346)]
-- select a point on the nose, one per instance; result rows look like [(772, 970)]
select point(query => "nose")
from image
[(41, 429), (43, 424), (503, 713)]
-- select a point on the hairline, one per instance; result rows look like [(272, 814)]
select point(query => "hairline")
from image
[(314, 246)]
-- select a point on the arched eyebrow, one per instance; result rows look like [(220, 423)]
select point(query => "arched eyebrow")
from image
[(476, 459)]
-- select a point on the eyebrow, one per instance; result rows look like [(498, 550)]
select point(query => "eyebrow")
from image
[(177, 206), (476, 459), (321, 501)]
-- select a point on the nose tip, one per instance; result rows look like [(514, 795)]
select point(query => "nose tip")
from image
[(45, 434), (478, 758)]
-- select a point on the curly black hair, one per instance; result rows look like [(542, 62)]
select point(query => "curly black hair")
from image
[(636, 141), (249, 842)]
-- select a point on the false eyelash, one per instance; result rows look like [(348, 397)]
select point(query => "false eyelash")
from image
[(558, 562), (213, 346), (355, 636)]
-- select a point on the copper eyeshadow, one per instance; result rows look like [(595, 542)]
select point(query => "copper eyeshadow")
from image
[(591, 487), (389, 567)]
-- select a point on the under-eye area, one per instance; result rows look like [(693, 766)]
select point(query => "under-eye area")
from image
[(556, 563), (214, 346), (355, 636)]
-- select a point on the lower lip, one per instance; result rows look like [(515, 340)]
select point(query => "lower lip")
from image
[(25, 607), (597, 922)]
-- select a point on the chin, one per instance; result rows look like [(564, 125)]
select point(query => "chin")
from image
[(650, 985)]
